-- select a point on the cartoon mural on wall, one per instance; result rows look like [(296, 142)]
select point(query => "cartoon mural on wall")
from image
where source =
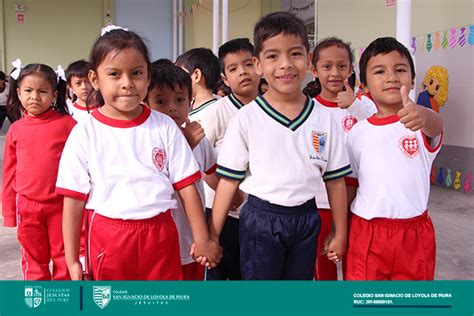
[(435, 88)]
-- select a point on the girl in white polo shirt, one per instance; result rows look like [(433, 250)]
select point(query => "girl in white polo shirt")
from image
[(124, 162)]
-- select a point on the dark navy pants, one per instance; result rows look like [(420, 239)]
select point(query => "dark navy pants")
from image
[(229, 267), (278, 242)]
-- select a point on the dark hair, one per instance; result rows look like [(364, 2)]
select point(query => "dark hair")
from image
[(328, 42), (162, 62), (232, 47), (14, 107), (79, 68), (2, 76), (113, 42), (170, 76), (278, 23), (262, 81), (313, 88), (223, 87), (204, 60), (383, 45)]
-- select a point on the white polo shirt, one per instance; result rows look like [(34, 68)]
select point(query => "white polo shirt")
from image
[(280, 160), (345, 120), (393, 166), (206, 158), (220, 113), (78, 112), (126, 169), (204, 115)]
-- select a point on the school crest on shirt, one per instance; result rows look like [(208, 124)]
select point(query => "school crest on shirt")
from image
[(409, 145), (159, 158), (318, 141), (348, 122)]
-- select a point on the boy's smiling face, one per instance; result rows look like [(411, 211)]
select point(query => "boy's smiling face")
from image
[(386, 74), (283, 61)]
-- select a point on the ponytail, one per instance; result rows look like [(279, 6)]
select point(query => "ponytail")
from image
[(14, 107)]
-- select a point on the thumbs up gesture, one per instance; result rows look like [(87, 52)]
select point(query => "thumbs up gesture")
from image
[(193, 132), (346, 97), (411, 115)]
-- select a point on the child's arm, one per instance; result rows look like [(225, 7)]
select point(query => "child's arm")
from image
[(222, 202), (9, 180), (416, 117), (204, 246), (336, 246), (73, 212)]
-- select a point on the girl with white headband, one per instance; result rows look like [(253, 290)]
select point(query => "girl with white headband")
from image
[(33, 147)]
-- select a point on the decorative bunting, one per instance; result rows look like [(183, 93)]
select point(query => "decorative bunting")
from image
[(467, 183), (444, 42), (462, 37), (436, 44), (440, 177), (457, 181), (413, 45), (471, 35), (428, 44), (449, 179), (452, 38)]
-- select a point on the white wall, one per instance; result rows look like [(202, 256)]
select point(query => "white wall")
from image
[(151, 19)]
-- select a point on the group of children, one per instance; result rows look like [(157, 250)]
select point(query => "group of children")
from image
[(125, 193)]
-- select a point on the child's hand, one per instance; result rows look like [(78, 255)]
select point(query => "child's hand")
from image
[(208, 254), (75, 271), (193, 132), (345, 98), (334, 247), (412, 115)]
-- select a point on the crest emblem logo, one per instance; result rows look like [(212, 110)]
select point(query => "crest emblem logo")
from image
[(348, 122), (319, 142), (159, 158), (409, 146), (102, 295), (33, 297)]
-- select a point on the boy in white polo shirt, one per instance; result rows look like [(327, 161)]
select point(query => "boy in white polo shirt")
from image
[(170, 93), (391, 153), (239, 73), (277, 148)]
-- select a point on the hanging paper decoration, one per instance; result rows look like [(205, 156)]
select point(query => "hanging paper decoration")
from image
[(444, 42), (421, 43), (433, 175), (440, 177), (457, 181), (462, 37), (449, 179), (471, 35), (413, 45), (452, 38), (428, 44), (436, 41), (467, 183)]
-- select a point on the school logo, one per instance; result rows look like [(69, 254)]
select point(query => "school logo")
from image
[(348, 122), (33, 296), (159, 158), (102, 295), (409, 146), (318, 140)]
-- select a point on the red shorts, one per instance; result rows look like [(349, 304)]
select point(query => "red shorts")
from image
[(324, 270), (193, 272), (134, 249), (391, 249)]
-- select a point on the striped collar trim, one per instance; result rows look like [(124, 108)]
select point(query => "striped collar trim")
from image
[(236, 102), (202, 106), (280, 118)]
